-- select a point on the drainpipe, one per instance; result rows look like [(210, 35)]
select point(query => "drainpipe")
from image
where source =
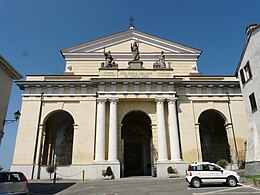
[(233, 132), (178, 124), (37, 137), (95, 128)]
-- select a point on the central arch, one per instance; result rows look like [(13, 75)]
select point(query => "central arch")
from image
[(213, 137), (136, 135)]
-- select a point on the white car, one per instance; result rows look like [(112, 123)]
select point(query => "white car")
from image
[(205, 172)]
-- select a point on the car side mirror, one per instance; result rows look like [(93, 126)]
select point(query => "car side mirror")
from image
[(221, 170)]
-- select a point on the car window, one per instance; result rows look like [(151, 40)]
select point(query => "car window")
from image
[(214, 168), (4, 177), (192, 168), (11, 177), (205, 167), (15, 177), (199, 167)]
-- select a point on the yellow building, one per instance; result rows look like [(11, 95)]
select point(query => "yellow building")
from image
[(131, 101)]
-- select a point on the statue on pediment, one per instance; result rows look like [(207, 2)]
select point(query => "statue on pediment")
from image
[(109, 63), (135, 51), (108, 58), (160, 63)]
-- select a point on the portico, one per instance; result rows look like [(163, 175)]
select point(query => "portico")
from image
[(112, 144)]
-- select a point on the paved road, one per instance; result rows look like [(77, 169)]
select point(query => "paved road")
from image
[(46, 187), (152, 186)]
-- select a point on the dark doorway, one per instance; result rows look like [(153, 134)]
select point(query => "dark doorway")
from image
[(213, 137), (136, 133)]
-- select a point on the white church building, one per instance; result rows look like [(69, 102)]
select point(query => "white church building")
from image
[(132, 101)]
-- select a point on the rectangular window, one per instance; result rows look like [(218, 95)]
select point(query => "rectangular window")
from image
[(248, 71), (242, 76), (245, 73), (253, 102)]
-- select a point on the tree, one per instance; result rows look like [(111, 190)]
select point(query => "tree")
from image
[(50, 169)]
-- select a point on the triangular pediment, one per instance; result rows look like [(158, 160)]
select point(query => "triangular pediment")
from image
[(120, 43), (125, 47)]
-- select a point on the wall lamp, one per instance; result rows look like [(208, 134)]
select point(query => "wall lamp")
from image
[(17, 115)]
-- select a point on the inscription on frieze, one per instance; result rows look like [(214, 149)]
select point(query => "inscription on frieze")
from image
[(130, 74), (135, 74)]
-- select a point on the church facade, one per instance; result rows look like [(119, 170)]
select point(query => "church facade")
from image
[(131, 101)]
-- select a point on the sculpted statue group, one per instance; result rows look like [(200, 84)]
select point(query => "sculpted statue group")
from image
[(160, 63), (109, 61)]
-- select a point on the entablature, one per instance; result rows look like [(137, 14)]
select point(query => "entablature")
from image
[(136, 73)]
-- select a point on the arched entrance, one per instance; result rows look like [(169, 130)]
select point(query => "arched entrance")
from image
[(58, 139), (213, 137), (137, 134)]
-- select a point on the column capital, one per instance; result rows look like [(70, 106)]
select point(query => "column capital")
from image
[(228, 126), (75, 126), (171, 100), (159, 100), (197, 126), (113, 99), (101, 100)]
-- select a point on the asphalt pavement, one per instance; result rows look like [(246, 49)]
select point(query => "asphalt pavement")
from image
[(136, 186)]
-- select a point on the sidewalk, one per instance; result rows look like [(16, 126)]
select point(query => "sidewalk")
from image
[(248, 181)]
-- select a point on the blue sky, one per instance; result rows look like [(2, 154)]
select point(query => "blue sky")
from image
[(32, 33)]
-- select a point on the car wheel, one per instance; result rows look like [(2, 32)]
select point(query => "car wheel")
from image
[(196, 182), (232, 182)]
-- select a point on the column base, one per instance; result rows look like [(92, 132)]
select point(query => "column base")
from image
[(97, 169), (113, 161), (99, 161), (176, 160), (163, 161), (163, 166)]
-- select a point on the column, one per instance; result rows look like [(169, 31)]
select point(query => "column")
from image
[(173, 130), (40, 143), (112, 143), (197, 131), (40, 149), (162, 144), (231, 142), (100, 130)]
